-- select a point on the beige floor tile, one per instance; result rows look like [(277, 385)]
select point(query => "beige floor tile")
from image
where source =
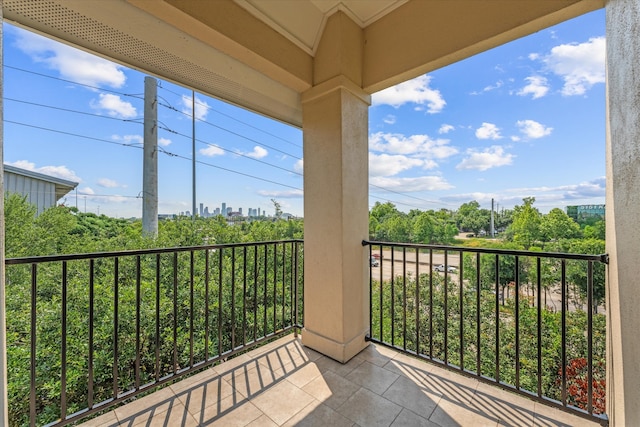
[(546, 416), (510, 408), (372, 377), (317, 414), (282, 401), (452, 413), (252, 382), (369, 409), (263, 421), (198, 396), (147, 407), (331, 389), (410, 395), (229, 412), (304, 375), (407, 418), (378, 354), (343, 369), (175, 415), (105, 420)]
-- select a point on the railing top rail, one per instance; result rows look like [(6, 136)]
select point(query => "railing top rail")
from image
[(134, 252), (603, 258)]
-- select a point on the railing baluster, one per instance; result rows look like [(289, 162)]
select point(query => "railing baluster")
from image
[(138, 304), (478, 324), (497, 276), (220, 259), (590, 337), (191, 279), (380, 297), (565, 305), (275, 291), (417, 301), (446, 308), (404, 298), (393, 298), (265, 287), (206, 304), (539, 324), (32, 373), (284, 280), (233, 298), (431, 304), (90, 367), (63, 356), (517, 319), (244, 296), (115, 327), (255, 292), (175, 312), (157, 355), (461, 309)]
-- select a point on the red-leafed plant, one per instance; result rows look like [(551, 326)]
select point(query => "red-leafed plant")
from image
[(578, 384)]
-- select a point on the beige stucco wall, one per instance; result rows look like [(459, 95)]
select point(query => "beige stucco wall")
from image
[(623, 211)]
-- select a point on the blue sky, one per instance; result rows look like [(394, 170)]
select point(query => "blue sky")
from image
[(526, 119)]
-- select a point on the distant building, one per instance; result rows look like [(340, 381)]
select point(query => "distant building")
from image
[(581, 212), (42, 191)]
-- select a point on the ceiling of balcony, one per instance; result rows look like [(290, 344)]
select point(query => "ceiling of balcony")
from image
[(259, 54)]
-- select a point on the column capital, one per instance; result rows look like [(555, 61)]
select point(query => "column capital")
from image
[(333, 84)]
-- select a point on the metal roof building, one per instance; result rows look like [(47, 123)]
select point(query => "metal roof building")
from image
[(41, 190)]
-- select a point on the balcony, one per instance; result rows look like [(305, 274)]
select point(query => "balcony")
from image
[(209, 335)]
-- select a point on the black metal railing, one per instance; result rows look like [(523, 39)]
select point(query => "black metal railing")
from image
[(530, 322), (87, 332)]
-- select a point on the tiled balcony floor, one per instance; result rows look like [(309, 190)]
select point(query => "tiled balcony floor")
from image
[(286, 384)]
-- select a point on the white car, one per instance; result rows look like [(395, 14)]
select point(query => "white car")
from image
[(441, 267), (374, 262)]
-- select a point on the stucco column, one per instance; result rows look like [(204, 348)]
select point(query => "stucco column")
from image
[(335, 125), (623, 211)]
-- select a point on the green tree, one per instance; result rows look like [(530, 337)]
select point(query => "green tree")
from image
[(525, 228), (558, 225)]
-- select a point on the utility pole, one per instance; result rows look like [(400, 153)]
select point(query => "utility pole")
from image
[(150, 159), (493, 233), (193, 155)]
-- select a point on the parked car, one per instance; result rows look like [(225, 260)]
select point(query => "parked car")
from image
[(374, 262), (441, 268)]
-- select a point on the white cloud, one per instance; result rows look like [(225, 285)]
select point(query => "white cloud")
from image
[(580, 65), (57, 171), (416, 91), (407, 185), (88, 191), (386, 165), (488, 131), (445, 128), (115, 106), (299, 166), (489, 88), (129, 139), (109, 183), (257, 153), (211, 151), (532, 129), (488, 158), (72, 64), (421, 145), (201, 107), (286, 194), (538, 87), (163, 142), (389, 119)]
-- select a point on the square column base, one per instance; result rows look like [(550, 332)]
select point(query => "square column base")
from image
[(341, 352)]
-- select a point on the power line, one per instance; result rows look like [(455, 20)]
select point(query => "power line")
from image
[(236, 120), (232, 152), (410, 196), (73, 111), (230, 131), (138, 96), (162, 150)]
